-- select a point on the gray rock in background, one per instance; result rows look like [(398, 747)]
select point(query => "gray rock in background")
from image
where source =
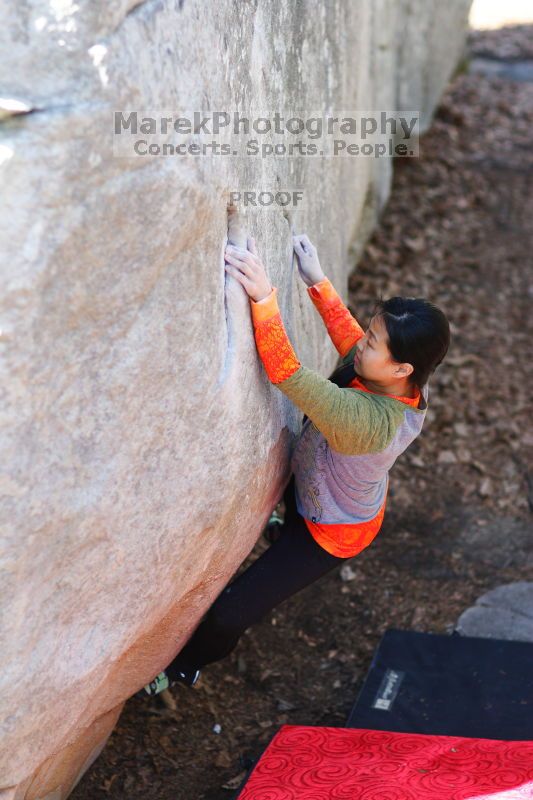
[(143, 447), (503, 613)]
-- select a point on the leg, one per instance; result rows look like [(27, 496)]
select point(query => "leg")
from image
[(290, 564), (289, 501)]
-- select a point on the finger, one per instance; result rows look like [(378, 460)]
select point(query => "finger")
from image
[(300, 238), (239, 263), (240, 258), (236, 252), (242, 254), (297, 246), (243, 251), (237, 274)]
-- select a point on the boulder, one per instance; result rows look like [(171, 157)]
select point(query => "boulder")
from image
[(143, 448), (505, 612)]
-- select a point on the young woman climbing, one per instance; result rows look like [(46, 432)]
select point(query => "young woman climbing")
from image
[(356, 424)]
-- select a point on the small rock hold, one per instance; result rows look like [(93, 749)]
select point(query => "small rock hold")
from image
[(464, 455), (347, 573), (284, 705), (168, 699), (418, 617), (461, 429), (235, 782), (223, 759), (415, 245), (446, 457), (485, 487)]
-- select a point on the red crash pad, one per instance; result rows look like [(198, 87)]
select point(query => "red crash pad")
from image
[(314, 763)]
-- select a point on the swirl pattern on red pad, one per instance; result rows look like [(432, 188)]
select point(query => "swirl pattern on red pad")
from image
[(324, 763)]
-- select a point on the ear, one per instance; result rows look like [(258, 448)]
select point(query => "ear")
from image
[(406, 369)]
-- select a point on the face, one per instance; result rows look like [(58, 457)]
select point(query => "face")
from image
[(373, 360)]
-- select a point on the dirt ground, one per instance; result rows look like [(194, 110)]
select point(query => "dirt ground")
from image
[(458, 230)]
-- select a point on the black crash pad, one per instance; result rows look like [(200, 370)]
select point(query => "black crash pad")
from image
[(448, 685)]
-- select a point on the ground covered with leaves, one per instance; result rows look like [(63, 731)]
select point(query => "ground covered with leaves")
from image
[(457, 230)]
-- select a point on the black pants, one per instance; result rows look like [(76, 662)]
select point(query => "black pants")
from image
[(291, 563)]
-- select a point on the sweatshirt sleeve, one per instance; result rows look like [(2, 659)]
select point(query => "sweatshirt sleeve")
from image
[(343, 328), (353, 422), (273, 345)]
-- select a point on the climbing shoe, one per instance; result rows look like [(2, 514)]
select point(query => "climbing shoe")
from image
[(159, 684), (272, 531), (162, 681), (187, 676), (276, 518)]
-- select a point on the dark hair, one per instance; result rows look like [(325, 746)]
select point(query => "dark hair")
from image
[(418, 332)]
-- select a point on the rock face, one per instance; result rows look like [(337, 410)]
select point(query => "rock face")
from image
[(143, 447), (505, 612)]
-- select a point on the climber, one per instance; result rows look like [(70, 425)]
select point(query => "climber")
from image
[(355, 426)]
